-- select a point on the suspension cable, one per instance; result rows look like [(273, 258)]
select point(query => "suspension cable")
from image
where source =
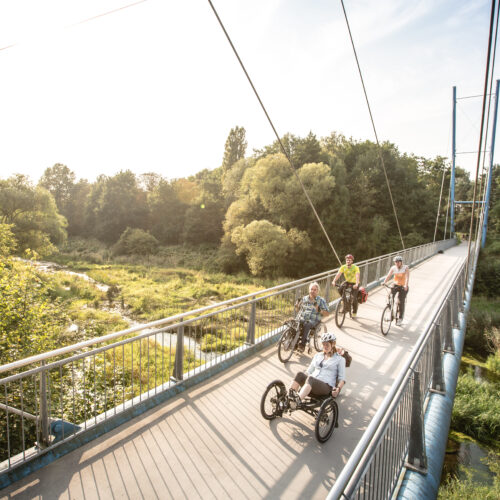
[(486, 77), (294, 170), (439, 203), (373, 124), (447, 211), (492, 72)]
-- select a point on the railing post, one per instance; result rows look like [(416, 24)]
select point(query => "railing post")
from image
[(417, 459), (364, 274), (438, 385), (377, 274), (448, 331), (179, 355), (327, 289), (251, 324), (44, 410)]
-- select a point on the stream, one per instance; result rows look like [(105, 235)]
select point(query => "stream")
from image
[(163, 339)]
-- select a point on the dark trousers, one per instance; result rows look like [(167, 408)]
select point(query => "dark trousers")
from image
[(318, 387), (402, 298), (306, 328), (354, 293)]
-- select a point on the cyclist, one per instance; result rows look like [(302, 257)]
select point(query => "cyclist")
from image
[(401, 273), (351, 274), (312, 308), (325, 375)]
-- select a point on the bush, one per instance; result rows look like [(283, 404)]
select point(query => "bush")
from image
[(136, 242), (487, 276), (476, 410), (483, 319)]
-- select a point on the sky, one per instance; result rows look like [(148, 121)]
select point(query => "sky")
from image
[(155, 86)]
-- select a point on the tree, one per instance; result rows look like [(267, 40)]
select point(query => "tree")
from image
[(167, 213), (235, 147), (299, 150), (135, 241), (120, 204), (32, 213), (59, 181), (264, 245)]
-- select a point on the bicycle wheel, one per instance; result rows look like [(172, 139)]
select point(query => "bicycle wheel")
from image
[(273, 400), (286, 344), (385, 322), (317, 339), (340, 313), (326, 420)]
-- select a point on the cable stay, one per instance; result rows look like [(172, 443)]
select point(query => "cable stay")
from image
[(294, 170), (379, 149), (486, 78)]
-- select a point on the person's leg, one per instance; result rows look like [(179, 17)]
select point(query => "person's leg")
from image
[(314, 386), (304, 392), (305, 332), (402, 301), (354, 296), (298, 381)]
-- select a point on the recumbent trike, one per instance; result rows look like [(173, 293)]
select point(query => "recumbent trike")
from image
[(275, 402)]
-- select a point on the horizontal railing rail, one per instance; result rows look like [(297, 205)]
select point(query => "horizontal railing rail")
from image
[(50, 398), (395, 437)]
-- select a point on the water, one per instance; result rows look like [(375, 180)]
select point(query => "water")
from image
[(467, 454)]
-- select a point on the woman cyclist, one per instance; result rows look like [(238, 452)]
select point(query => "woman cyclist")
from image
[(401, 273), (325, 375)]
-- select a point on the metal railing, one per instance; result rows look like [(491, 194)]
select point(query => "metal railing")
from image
[(50, 398), (395, 437)]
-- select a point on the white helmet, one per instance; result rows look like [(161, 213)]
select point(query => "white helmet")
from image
[(398, 258), (328, 337)]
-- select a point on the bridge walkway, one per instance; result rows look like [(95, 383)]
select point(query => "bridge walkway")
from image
[(211, 441)]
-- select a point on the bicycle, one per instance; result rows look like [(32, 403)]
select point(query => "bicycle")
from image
[(291, 335), (275, 402), (345, 304), (390, 312)]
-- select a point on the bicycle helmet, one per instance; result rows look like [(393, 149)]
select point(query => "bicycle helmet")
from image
[(328, 337), (349, 256), (398, 258)]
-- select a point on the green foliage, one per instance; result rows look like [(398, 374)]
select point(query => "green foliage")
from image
[(487, 280), (33, 216), (30, 322), (7, 240), (234, 148), (136, 242), (469, 489), (483, 319), (493, 364), (266, 246), (476, 410)]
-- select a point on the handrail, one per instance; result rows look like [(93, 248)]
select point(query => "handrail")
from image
[(352, 472), (165, 321)]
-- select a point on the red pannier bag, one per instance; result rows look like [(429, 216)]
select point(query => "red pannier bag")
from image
[(362, 295)]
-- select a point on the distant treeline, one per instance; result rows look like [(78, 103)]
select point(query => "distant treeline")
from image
[(251, 207)]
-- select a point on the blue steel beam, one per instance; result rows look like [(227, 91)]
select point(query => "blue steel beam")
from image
[(490, 173), (453, 155)]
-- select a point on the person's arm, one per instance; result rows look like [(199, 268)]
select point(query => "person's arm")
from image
[(340, 378), (323, 306), (312, 366), (357, 280), (407, 277), (337, 276), (389, 275)]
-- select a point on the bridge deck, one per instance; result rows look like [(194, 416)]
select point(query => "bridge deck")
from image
[(211, 442)]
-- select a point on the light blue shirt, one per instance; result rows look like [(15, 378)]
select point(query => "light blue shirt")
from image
[(333, 368)]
